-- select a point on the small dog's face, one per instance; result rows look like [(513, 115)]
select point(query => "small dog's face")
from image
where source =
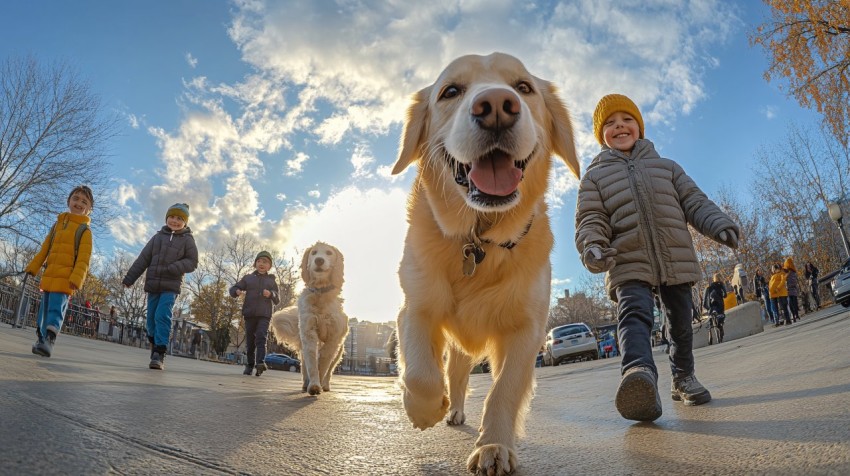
[(322, 263)]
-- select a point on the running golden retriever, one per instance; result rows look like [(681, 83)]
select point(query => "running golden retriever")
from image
[(475, 270), (317, 326)]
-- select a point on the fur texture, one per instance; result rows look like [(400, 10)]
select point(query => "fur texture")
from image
[(482, 136), (317, 326)]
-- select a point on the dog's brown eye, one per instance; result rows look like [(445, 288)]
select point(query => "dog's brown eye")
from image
[(450, 92), (329, 252), (524, 87), (313, 252)]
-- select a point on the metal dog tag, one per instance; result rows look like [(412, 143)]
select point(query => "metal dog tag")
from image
[(469, 260)]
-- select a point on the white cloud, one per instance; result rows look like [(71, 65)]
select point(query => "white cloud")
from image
[(770, 112), (191, 60), (339, 94), (368, 226), (296, 165)]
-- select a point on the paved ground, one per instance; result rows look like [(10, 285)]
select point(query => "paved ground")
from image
[(781, 406)]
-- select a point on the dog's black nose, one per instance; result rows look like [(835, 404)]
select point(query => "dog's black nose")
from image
[(320, 261), (496, 109)]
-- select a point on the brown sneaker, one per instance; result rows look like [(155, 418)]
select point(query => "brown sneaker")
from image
[(637, 397)]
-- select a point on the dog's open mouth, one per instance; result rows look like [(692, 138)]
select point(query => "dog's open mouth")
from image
[(492, 179)]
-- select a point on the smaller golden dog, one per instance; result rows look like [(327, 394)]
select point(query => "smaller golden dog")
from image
[(317, 326)]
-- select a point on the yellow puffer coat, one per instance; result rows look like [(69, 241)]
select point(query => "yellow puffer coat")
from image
[(777, 285), (61, 271)]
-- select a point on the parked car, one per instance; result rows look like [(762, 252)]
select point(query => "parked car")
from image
[(841, 285), (570, 342), (283, 362)]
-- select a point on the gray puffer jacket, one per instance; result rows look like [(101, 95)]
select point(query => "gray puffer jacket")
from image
[(255, 304), (167, 257), (641, 206)]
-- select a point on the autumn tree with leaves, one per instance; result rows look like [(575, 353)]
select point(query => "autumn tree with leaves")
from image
[(808, 45)]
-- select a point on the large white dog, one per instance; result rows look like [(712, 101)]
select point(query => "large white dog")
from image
[(317, 326), (475, 271)]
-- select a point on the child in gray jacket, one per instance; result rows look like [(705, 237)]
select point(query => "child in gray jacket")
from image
[(261, 294), (632, 218)]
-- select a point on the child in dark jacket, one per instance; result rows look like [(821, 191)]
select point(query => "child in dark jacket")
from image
[(715, 294), (261, 294), (169, 254)]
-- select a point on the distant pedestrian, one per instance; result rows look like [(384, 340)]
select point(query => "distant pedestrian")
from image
[(779, 295), (812, 280), (632, 220), (65, 254), (760, 286), (261, 294), (167, 256), (793, 285), (739, 282), (714, 297)]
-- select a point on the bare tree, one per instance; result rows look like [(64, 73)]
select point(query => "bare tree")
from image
[(52, 135), (131, 302)]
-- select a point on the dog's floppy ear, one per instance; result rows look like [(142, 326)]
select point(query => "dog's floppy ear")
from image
[(561, 129), (338, 272), (305, 266), (414, 130)]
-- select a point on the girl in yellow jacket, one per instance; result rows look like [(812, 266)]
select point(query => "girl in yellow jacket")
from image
[(66, 266), (779, 295)]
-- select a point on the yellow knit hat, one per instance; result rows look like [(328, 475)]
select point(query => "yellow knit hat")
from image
[(178, 210), (609, 105)]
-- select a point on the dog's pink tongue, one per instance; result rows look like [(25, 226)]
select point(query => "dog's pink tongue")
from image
[(495, 174)]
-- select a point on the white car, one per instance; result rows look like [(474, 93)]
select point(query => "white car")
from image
[(570, 342)]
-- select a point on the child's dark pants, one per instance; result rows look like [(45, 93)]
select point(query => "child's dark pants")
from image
[(256, 330), (634, 308)]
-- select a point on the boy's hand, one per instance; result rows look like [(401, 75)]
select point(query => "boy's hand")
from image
[(266, 293), (599, 260), (239, 292), (729, 237)]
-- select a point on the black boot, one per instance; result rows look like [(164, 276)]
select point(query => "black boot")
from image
[(249, 368), (158, 358), (153, 346)]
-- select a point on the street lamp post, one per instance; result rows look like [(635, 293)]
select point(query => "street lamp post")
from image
[(836, 216)]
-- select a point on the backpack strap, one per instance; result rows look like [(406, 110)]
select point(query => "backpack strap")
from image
[(50, 245), (78, 236)]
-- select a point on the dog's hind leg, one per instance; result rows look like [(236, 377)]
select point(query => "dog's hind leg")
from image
[(326, 376), (458, 367)]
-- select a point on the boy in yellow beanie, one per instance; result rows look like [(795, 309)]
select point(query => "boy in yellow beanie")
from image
[(632, 218), (169, 254)]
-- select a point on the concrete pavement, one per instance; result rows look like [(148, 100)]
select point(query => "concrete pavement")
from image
[(781, 406)]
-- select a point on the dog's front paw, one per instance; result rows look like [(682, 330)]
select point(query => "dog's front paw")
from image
[(456, 417), (425, 412), (314, 389), (492, 460)]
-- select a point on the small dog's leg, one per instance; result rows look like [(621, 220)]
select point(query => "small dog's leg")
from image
[(458, 367), (310, 364), (421, 356), (326, 377)]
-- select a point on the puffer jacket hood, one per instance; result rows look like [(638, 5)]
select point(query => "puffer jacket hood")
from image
[(789, 264), (641, 205)]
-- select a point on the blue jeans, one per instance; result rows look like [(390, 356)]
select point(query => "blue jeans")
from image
[(52, 313), (634, 308), (159, 317)]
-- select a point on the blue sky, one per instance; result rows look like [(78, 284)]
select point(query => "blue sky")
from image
[(282, 119)]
